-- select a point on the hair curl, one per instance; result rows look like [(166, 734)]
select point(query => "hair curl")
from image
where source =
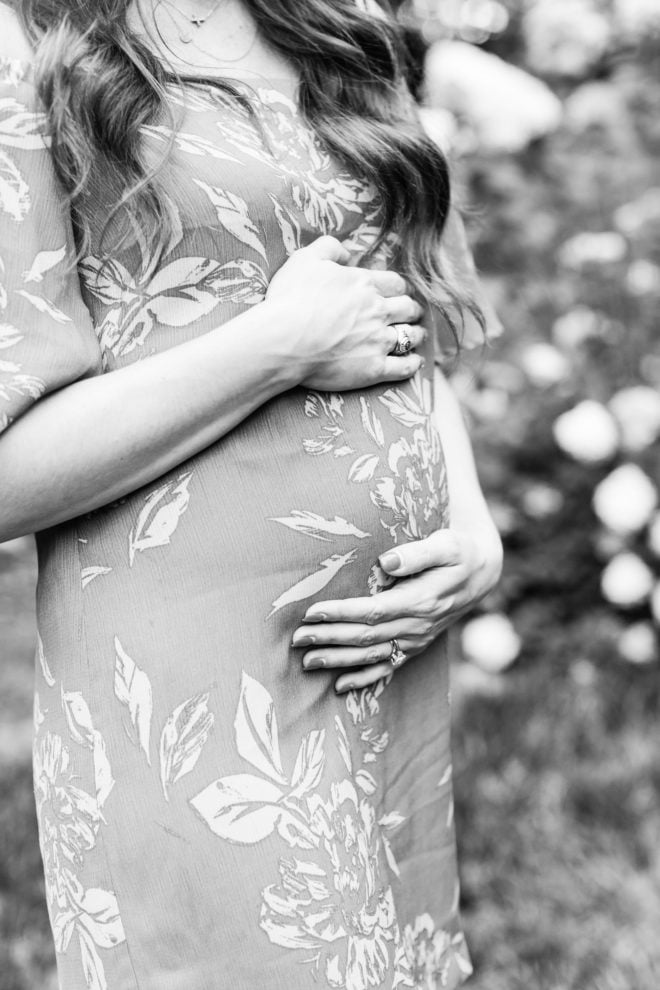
[(100, 84)]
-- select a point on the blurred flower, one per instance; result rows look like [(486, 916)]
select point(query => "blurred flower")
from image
[(654, 535), (504, 516), (635, 217), (575, 327), (587, 432), (625, 500), (637, 411), (506, 107), (540, 501), (544, 365), (637, 17), (599, 104), (491, 642), (607, 543), (655, 603), (489, 403), (638, 643), (626, 581), (643, 277), (605, 247), (565, 37), (440, 125)]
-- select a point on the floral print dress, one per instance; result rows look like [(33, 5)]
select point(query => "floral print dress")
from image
[(210, 815)]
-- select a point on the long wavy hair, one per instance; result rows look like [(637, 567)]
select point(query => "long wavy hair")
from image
[(100, 84)]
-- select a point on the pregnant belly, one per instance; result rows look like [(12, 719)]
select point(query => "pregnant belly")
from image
[(294, 506)]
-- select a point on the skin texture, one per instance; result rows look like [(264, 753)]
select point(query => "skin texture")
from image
[(443, 577)]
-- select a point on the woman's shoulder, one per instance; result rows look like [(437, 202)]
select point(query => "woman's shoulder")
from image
[(14, 43)]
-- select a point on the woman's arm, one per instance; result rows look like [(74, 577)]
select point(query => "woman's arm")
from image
[(102, 437), (444, 575)]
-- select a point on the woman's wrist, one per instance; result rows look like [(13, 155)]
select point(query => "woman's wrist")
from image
[(276, 332)]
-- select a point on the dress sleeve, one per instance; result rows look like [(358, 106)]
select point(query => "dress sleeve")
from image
[(47, 339)]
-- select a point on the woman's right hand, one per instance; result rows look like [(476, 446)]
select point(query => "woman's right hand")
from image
[(342, 320)]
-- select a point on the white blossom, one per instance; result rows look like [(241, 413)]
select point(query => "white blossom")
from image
[(544, 364), (638, 643), (491, 642), (625, 500), (577, 326), (626, 581), (637, 411), (587, 432), (654, 534), (587, 248), (565, 37)]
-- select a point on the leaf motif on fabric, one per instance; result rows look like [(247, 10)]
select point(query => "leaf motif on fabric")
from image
[(191, 144), (403, 408), (366, 782), (391, 820), (20, 127), (183, 738), (390, 857), (78, 718), (44, 262), (160, 516), (88, 574), (243, 809), (257, 738), (44, 306), (64, 925), (133, 689), (108, 280), (19, 384), (309, 765), (343, 744), (43, 663), (363, 468), (289, 226), (315, 582), (91, 961), (232, 213), (371, 422), (100, 917), (14, 191), (311, 524)]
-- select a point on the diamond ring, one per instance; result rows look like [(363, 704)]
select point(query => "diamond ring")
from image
[(397, 656)]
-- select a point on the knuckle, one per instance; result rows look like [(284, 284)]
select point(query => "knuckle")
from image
[(373, 656), (426, 607), (375, 615), (367, 637)]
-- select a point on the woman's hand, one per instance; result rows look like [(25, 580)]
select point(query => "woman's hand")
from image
[(341, 321), (439, 579)]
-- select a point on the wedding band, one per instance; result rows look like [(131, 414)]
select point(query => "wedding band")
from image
[(403, 343), (397, 656)]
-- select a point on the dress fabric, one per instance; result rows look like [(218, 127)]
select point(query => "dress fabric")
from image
[(210, 815)]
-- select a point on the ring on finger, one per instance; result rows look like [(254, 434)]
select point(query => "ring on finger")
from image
[(397, 656), (403, 341)]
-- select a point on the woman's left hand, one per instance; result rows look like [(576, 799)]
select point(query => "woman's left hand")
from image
[(439, 579)]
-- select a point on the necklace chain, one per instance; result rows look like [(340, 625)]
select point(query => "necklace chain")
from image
[(187, 39)]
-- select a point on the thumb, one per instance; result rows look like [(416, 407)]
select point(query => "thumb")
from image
[(440, 549), (329, 249)]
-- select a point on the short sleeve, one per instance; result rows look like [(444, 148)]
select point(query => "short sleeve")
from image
[(457, 261), (47, 339)]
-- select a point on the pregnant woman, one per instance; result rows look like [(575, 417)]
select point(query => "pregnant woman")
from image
[(222, 232)]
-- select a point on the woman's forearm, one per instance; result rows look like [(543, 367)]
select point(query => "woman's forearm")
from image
[(467, 506), (103, 437)]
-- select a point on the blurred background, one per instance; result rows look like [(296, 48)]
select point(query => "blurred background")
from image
[(550, 111)]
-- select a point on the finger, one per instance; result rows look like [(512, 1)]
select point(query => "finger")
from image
[(329, 249), (388, 283), (329, 657), (395, 603), (396, 369), (441, 549), (354, 633), (403, 309), (416, 333), (359, 679)]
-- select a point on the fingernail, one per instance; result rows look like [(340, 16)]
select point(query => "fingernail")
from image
[(313, 663), (346, 686), (390, 561), (315, 617), (303, 640)]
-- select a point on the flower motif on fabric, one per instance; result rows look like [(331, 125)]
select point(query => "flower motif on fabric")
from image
[(436, 956), (332, 898), (69, 822)]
